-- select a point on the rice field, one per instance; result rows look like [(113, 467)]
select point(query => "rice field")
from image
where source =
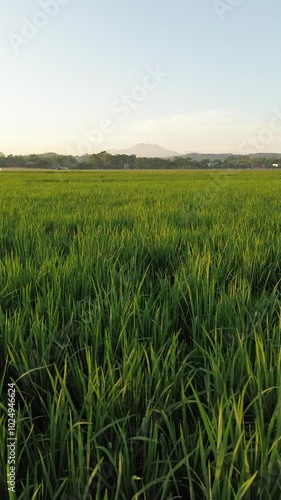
[(140, 323)]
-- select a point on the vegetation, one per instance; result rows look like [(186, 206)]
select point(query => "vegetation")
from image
[(140, 322), (106, 161)]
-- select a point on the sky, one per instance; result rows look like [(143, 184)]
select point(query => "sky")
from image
[(190, 75)]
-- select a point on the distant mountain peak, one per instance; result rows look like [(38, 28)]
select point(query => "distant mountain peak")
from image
[(146, 151)]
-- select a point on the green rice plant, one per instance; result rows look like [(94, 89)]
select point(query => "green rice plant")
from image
[(140, 321)]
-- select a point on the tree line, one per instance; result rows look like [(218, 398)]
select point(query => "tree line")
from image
[(106, 161)]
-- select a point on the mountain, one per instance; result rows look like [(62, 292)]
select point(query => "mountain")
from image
[(205, 156), (145, 151), (265, 155), (223, 156), (156, 151)]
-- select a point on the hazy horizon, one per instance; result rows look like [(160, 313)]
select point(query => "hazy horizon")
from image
[(192, 77), (114, 151)]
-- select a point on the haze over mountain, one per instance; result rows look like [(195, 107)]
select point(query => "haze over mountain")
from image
[(223, 156), (145, 151), (155, 151)]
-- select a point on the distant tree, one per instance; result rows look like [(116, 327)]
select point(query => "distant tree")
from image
[(2, 160)]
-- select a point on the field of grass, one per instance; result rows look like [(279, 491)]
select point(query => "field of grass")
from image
[(140, 323)]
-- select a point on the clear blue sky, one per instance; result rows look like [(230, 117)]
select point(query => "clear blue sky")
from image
[(219, 90)]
